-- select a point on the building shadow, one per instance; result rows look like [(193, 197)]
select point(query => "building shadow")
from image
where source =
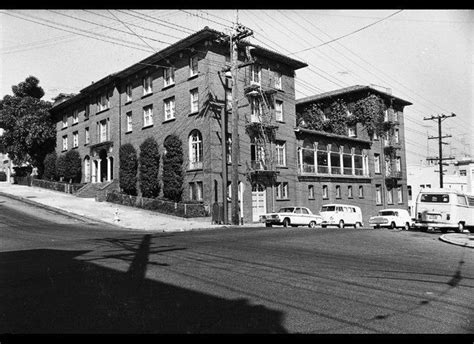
[(54, 291)]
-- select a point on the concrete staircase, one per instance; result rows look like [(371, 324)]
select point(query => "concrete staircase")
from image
[(92, 190)]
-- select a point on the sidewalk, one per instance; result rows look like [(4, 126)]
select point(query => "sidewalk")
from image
[(88, 210), (460, 239)]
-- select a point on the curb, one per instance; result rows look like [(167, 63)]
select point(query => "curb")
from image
[(82, 218), (453, 242)]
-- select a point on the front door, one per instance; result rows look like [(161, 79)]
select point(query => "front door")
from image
[(259, 201)]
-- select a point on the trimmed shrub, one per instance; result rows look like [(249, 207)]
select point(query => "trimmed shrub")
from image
[(61, 166), (149, 164), (50, 166), (128, 169), (173, 169), (73, 171)]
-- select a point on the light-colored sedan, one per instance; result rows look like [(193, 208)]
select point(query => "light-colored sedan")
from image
[(292, 216), (392, 218)]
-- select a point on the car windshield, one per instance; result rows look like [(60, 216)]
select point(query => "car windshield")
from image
[(328, 208), (387, 213), (286, 210), (435, 198)]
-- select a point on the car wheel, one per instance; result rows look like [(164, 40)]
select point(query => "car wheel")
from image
[(393, 225), (286, 222), (407, 226), (312, 224), (268, 224), (341, 224), (460, 227), (357, 225)]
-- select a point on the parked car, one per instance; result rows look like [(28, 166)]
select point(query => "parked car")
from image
[(341, 215), (291, 216), (392, 218)]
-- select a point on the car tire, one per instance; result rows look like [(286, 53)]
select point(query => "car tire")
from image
[(407, 226), (357, 225), (286, 222), (460, 227), (341, 224), (393, 225), (268, 224), (312, 224)]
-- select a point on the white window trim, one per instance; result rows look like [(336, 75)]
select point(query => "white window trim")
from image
[(147, 85), (281, 147), (128, 93), (194, 98), (148, 116), (168, 76), (75, 116), (75, 139), (64, 121), (278, 110), (193, 72), (87, 135), (278, 78), (65, 143), (169, 105), (129, 121)]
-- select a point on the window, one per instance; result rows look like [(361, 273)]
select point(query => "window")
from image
[(257, 156), (75, 116), (396, 136), (361, 191), (378, 194), (399, 194), (281, 190), (398, 164), (103, 102), (87, 136), (390, 196), (281, 153), (148, 115), (256, 110), (64, 142), (325, 192), (75, 139), (102, 131), (352, 131), (277, 76), (347, 160), (375, 136), (64, 121), (193, 66), (359, 169), (322, 158), (168, 76), (255, 74), (195, 191), (194, 100), (349, 191), (310, 191), (86, 111), (169, 108), (147, 85), (377, 163), (129, 121), (335, 157), (279, 110), (435, 198), (128, 93), (338, 191), (195, 150), (462, 173)]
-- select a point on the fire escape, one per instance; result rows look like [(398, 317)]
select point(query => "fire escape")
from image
[(391, 145)]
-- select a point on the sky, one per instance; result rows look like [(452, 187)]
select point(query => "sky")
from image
[(423, 56)]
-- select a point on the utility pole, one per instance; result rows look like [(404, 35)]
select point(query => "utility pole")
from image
[(240, 33), (440, 138)]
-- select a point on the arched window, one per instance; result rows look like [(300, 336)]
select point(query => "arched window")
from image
[(335, 159), (322, 156), (195, 150), (347, 160)]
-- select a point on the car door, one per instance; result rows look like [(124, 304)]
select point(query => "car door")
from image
[(305, 216), (297, 217)]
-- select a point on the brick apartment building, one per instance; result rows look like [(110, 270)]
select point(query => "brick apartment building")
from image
[(353, 168), (183, 90)]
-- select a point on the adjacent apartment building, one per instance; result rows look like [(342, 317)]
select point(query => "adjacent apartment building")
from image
[(183, 90)]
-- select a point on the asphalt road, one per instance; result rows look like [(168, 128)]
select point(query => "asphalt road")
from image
[(61, 275)]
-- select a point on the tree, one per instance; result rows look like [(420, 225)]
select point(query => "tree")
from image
[(73, 170), (369, 111), (149, 164), (50, 162), (30, 131), (128, 169), (173, 168), (61, 166)]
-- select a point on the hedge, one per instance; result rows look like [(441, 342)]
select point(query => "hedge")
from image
[(185, 210)]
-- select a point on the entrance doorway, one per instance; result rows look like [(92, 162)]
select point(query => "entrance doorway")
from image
[(103, 165), (259, 201)]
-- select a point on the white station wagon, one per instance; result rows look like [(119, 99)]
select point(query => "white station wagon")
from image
[(392, 218), (292, 216)]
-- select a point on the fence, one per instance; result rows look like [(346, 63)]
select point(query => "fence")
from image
[(186, 210), (57, 186)]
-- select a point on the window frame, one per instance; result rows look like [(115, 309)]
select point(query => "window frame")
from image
[(168, 109), (150, 117), (192, 71), (168, 76), (278, 110)]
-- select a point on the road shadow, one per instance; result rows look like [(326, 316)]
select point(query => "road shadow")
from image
[(53, 291)]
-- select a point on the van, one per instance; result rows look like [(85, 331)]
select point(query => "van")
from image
[(341, 215), (444, 209)]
